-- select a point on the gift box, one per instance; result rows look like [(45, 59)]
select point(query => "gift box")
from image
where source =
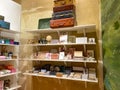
[(4, 24)]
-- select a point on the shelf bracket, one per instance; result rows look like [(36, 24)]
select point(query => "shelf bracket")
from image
[(85, 64), (59, 81), (58, 33), (85, 84)]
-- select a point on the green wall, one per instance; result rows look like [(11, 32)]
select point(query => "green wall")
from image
[(111, 43)]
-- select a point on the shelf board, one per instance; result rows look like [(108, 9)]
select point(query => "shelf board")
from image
[(75, 28), (8, 59), (59, 44), (64, 78), (8, 44), (13, 88), (9, 31), (9, 74), (57, 60)]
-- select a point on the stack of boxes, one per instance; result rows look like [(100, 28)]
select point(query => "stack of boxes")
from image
[(63, 14), (4, 24)]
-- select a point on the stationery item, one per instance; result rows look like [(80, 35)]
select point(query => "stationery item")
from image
[(71, 39), (63, 8), (42, 55), (54, 41), (59, 74), (4, 24), (79, 69), (81, 40), (43, 70), (2, 57), (7, 41), (77, 75), (84, 76), (2, 41), (61, 55), (16, 43), (54, 56), (63, 39), (92, 74), (68, 70), (71, 52), (78, 53), (67, 22), (91, 40), (71, 75), (11, 41), (90, 53), (48, 56), (44, 23), (63, 14)]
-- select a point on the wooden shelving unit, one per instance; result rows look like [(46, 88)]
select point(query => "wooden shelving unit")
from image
[(13, 77), (15, 87), (81, 29), (5, 60), (9, 74), (9, 31), (60, 44), (57, 60), (64, 78)]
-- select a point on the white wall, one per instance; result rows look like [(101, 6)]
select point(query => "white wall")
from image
[(12, 13)]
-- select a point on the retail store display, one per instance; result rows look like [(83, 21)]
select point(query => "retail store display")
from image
[(71, 55), (8, 60), (60, 55)]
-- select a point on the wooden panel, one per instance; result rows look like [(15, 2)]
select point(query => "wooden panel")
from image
[(56, 84)]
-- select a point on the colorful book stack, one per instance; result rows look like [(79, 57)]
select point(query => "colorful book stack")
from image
[(63, 14)]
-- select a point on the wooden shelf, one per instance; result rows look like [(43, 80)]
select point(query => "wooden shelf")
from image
[(80, 28), (57, 60), (9, 74), (8, 44), (13, 88), (8, 60), (59, 44), (64, 78), (9, 31)]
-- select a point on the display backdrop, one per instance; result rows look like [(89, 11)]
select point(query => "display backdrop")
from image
[(111, 43)]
